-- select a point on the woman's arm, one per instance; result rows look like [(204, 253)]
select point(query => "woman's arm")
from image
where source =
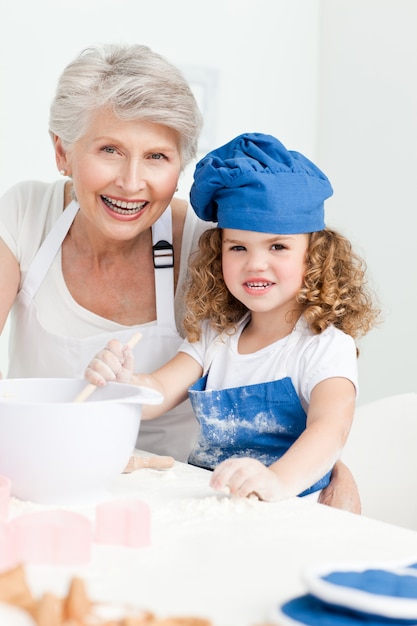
[(342, 492), (9, 282), (311, 456), (172, 380)]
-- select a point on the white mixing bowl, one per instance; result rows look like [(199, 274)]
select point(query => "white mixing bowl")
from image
[(56, 451)]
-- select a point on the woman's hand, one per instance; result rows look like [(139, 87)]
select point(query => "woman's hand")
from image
[(114, 363), (245, 477)]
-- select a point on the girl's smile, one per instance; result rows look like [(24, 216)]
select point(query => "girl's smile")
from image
[(257, 287)]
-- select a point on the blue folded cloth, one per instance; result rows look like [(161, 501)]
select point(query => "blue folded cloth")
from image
[(345, 595), (309, 611)]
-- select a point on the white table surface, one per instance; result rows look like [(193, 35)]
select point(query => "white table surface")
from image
[(229, 560)]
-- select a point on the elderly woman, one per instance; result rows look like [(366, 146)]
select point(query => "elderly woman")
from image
[(124, 123), (103, 252)]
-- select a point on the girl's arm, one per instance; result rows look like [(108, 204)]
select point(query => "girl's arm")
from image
[(116, 363), (172, 380), (311, 456)]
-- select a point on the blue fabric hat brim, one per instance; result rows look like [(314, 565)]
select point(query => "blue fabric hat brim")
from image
[(255, 183)]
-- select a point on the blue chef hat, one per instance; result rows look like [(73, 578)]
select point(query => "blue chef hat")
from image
[(255, 183)]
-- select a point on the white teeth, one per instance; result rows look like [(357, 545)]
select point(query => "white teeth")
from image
[(258, 285), (123, 207)]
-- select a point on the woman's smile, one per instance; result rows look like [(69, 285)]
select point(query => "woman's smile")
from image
[(124, 208)]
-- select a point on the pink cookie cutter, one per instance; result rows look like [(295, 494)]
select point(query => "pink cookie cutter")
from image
[(53, 537), (123, 522)]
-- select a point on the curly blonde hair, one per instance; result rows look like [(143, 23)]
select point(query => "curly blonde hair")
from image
[(334, 290)]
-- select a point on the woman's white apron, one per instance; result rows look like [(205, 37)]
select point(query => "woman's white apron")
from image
[(35, 352)]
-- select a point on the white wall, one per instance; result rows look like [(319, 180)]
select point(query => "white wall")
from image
[(334, 79), (367, 146), (265, 56)]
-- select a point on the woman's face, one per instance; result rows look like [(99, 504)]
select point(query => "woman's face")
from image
[(124, 173)]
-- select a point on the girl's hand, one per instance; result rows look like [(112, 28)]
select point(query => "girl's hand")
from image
[(114, 363), (245, 477)]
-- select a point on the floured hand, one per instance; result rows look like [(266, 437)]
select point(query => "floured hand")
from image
[(246, 477), (114, 363)]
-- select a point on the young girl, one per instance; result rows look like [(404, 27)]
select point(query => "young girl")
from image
[(275, 302)]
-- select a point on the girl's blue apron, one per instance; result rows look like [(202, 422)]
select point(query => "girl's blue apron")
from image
[(260, 421)]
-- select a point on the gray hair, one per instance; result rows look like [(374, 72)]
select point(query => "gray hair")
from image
[(135, 83)]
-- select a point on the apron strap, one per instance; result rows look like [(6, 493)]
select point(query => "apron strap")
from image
[(212, 350), (163, 260), (48, 250)]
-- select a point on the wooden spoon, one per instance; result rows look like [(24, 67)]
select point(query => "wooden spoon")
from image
[(151, 462), (88, 389)]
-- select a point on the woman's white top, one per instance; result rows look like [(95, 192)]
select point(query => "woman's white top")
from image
[(53, 336)]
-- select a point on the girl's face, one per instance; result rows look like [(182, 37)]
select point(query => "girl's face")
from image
[(124, 172), (263, 271)]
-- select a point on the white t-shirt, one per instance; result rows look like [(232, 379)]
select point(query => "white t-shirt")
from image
[(313, 359)]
